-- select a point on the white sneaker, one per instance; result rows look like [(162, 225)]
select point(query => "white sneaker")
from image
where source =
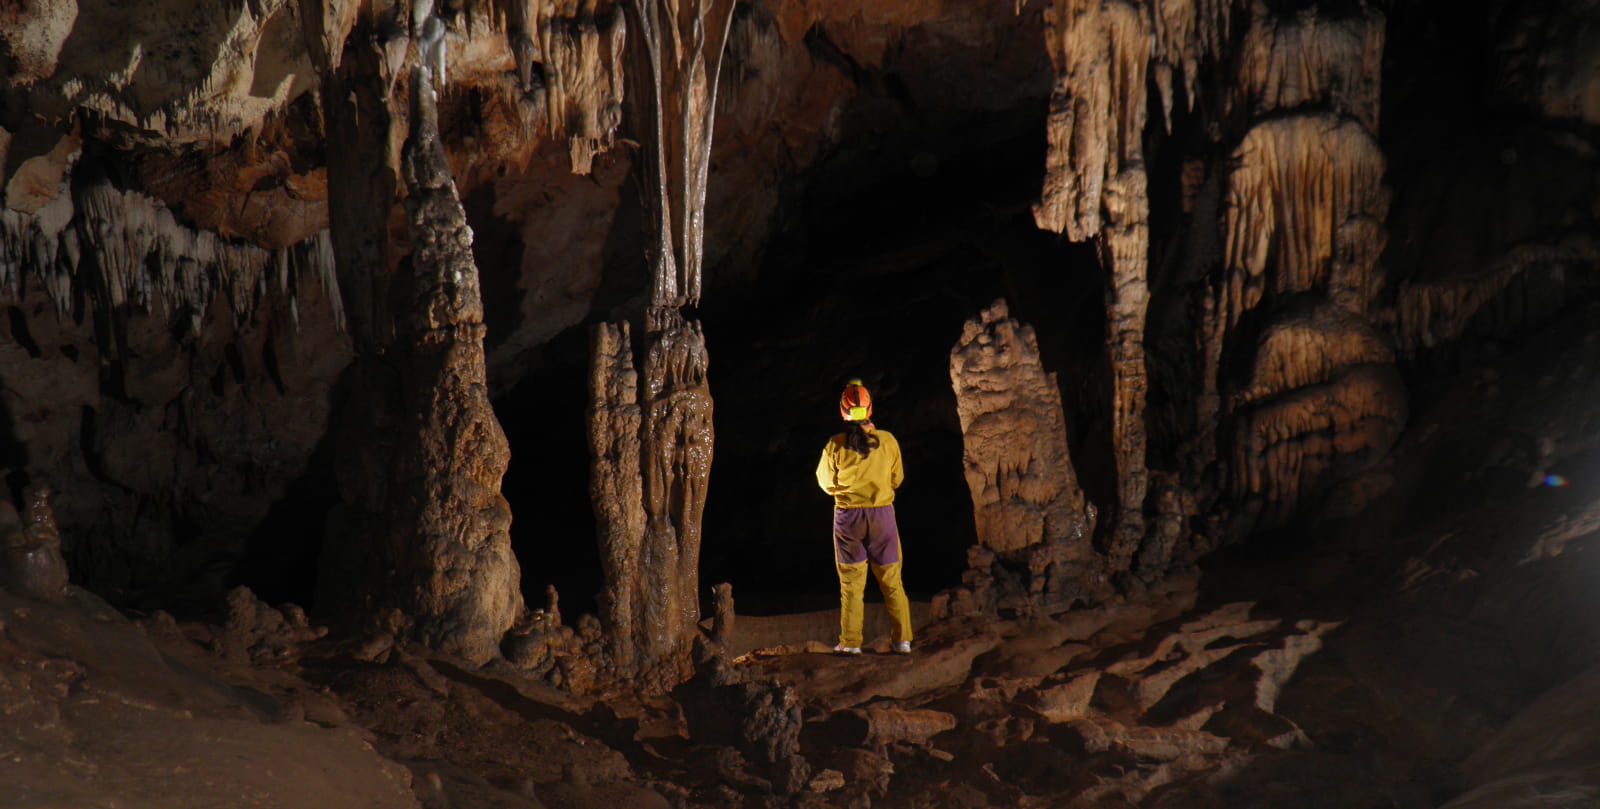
[(902, 647), (847, 650)]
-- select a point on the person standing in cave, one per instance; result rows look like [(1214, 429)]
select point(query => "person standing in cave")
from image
[(861, 468)]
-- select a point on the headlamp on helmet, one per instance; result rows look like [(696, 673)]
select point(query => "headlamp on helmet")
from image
[(855, 404)]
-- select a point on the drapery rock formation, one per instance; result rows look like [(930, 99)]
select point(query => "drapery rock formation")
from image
[(442, 551), (1029, 509), (1303, 220)]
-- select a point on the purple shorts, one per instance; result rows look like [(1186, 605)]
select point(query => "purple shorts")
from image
[(862, 534)]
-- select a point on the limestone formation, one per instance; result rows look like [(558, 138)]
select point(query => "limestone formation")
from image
[(616, 488), (1312, 60), (583, 44), (679, 59), (679, 54), (442, 548), (195, 72), (1125, 248), (1305, 205), (33, 565), (1025, 495), (650, 461), (1292, 363), (121, 248), (676, 465), (1101, 52)]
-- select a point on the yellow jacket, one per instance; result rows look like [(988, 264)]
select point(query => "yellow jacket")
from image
[(861, 482)]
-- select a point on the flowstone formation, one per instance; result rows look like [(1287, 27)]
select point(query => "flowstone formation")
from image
[(1031, 514), (1302, 226), (1297, 388), (443, 553)]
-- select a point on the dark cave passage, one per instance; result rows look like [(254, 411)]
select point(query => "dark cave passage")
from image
[(873, 274)]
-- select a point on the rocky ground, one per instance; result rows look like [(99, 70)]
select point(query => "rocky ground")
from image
[(1434, 646)]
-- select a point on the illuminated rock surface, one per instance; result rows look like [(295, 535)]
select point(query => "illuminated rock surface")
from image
[(1292, 463)]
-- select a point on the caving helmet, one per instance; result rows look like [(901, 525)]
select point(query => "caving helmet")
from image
[(855, 404)]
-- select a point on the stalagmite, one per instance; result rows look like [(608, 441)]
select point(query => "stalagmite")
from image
[(676, 467), (1101, 51), (1025, 495), (469, 592), (31, 564), (449, 535), (616, 488)]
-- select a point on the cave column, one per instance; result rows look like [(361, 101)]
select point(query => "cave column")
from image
[(1095, 187), (1124, 251), (676, 58)]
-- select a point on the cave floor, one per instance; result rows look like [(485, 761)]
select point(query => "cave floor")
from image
[(1435, 648)]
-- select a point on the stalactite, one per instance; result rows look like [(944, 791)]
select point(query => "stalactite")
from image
[(1101, 51), (583, 43), (680, 59), (119, 248), (362, 166), (1289, 324), (1125, 249), (1429, 314), (450, 526), (1026, 500), (1187, 34)]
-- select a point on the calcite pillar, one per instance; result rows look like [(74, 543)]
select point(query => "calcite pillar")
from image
[(1095, 187), (1125, 250), (662, 432), (1026, 500)]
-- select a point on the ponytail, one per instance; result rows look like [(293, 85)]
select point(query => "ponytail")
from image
[(856, 438)]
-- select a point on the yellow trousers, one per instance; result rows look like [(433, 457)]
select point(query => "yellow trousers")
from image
[(852, 590)]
